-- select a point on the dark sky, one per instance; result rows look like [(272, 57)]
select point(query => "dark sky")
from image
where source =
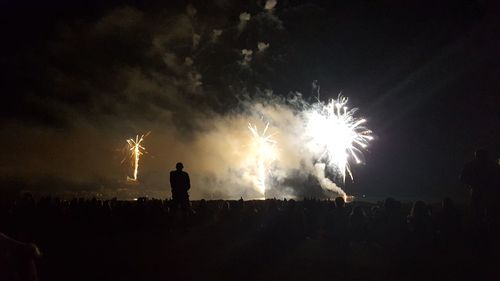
[(78, 77)]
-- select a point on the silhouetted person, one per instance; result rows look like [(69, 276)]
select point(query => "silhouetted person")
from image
[(448, 223), (180, 184), (17, 260), (419, 220), (340, 203), (481, 176), (389, 226), (357, 224), (339, 224)]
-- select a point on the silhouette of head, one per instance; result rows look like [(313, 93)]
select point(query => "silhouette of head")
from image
[(447, 204), (482, 154), (391, 204), (339, 202), (179, 166), (358, 212), (419, 209)]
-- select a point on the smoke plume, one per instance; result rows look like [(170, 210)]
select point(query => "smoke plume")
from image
[(177, 80)]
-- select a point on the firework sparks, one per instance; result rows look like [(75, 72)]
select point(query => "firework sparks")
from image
[(336, 134), (265, 149), (136, 150)]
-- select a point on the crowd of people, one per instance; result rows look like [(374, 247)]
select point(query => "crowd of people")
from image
[(175, 239), (389, 238)]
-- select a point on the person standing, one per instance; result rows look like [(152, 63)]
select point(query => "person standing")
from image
[(481, 176), (17, 260), (180, 184)]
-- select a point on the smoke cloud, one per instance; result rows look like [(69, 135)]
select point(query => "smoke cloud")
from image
[(270, 4), (165, 84), (244, 18), (247, 56), (261, 46), (325, 182)]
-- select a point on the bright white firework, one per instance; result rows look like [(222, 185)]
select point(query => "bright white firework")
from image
[(336, 135), (264, 148)]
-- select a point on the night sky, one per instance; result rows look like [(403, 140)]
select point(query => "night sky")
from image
[(79, 77)]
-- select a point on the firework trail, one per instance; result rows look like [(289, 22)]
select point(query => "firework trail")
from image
[(265, 151), (136, 151)]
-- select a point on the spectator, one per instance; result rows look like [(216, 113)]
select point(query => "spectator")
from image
[(481, 176), (357, 225), (17, 260), (180, 184)]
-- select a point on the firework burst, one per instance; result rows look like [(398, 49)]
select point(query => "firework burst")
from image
[(336, 135), (136, 150), (264, 149)]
